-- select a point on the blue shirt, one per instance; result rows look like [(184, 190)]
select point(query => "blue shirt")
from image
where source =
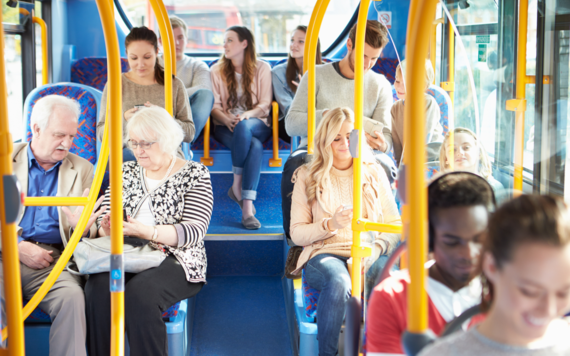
[(41, 223)]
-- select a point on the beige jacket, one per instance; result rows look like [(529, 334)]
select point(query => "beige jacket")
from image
[(75, 174), (307, 227)]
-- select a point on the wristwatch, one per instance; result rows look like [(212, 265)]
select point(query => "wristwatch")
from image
[(155, 235)]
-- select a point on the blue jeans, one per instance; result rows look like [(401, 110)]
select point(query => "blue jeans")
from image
[(201, 104), (246, 144), (328, 274)]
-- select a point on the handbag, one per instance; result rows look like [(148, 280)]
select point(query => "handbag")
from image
[(93, 256), (291, 262)]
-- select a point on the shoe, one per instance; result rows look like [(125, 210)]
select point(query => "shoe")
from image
[(239, 202), (251, 223)]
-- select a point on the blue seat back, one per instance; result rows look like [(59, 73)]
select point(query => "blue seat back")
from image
[(92, 71), (84, 144), (310, 298)]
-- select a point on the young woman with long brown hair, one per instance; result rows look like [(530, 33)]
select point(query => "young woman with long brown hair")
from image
[(242, 98)]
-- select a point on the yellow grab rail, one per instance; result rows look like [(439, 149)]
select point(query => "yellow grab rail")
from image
[(45, 58), (168, 67), (170, 36), (416, 193), (433, 44), (309, 62), (206, 159), (518, 105), (10, 257), (275, 161), (55, 201)]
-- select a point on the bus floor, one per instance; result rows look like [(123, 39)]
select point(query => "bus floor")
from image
[(240, 315)]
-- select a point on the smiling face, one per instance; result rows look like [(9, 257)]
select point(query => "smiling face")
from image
[(180, 40), (233, 47), (399, 85), (371, 55), (297, 46), (466, 153), (142, 58), (530, 291), (340, 145), (52, 144)]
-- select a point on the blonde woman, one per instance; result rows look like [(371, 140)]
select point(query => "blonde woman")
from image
[(321, 215), (470, 156)]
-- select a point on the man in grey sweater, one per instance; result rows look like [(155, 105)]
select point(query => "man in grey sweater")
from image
[(335, 88), (195, 75)]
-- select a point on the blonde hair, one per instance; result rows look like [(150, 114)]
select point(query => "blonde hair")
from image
[(156, 124), (176, 22), (430, 75), (484, 168)]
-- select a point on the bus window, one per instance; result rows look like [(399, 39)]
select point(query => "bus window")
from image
[(270, 21), (13, 61)]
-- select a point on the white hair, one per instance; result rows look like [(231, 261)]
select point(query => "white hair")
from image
[(156, 124), (43, 109)]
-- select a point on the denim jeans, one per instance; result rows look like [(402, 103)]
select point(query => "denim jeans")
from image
[(201, 103), (328, 274), (246, 144)]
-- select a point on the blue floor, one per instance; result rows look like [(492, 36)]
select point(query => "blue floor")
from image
[(238, 316), (226, 218)]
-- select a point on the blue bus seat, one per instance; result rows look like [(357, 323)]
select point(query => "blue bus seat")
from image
[(308, 343), (386, 67), (85, 143), (310, 298), (92, 71)]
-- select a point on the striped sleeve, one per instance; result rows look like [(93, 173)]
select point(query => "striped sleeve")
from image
[(198, 206), (106, 203)]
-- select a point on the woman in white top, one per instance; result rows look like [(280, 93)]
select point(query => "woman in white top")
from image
[(526, 283)]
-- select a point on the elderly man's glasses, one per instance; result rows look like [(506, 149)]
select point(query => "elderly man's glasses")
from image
[(144, 145)]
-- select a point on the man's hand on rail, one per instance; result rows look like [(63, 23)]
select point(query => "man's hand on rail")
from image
[(378, 143), (34, 256), (73, 218)]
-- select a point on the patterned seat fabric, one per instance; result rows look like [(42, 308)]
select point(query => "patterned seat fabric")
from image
[(171, 312), (84, 144), (444, 102), (387, 67), (92, 71), (310, 298)]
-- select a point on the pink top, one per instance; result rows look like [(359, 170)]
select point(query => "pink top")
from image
[(261, 88)]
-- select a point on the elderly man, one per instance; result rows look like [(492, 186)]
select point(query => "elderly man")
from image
[(45, 167)]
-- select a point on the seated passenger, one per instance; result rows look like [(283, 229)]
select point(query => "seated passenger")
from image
[(195, 75), (286, 76), (469, 156), (458, 209), (335, 88), (526, 290), (321, 220), (434, 130), (47, 169), (242, 93), (168, 202), (143, 85)]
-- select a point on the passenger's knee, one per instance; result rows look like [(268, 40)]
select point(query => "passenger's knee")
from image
[(256, 144), (204, 96), (341, 284)]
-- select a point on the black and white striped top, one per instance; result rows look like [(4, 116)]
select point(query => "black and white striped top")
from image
[(184, 200)]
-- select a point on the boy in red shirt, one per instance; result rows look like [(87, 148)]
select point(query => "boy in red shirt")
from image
[(458, 208)]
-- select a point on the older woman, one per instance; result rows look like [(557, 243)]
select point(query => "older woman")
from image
[(169, 202), (321, 214)]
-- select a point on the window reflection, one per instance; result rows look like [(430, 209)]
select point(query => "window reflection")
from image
[(13, 61)]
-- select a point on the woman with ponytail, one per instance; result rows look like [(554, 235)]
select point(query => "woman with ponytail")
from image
[(242, 96), (143, 86)]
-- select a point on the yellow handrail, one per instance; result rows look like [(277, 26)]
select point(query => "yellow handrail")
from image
[(418, 36), (313, 35), (45, 58), (10, 258), (55, 201), (168, 71), (433, 43), (275, 161), (518, 105), (206, 159), (168, 25)]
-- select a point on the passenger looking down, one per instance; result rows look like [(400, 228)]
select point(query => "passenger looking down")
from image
[(45, 167), (169, 202), (458, 207), (321, 216), (243, 94), (525, 262), (143, 86), (195, 75), (287, 76), (469, 156), (335, 88), (434, 130)]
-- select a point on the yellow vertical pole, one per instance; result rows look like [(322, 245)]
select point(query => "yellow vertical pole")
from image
[(418, 37), (357, 253), (45, 58), (117, 281), (206, 159), (168, 26), (168, 104), (10, 258), (518, 105), (321, 8), (310, 28), (451, 77), (275, 161)]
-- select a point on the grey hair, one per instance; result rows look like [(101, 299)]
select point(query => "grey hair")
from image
[(156, 124), (43, 109)]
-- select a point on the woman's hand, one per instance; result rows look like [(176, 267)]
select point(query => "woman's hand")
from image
[(148, 104), (341, 219), (106, 224), (135, 228), (73, 218), (246, 115), (230, 120), (297, 83), (378, 143), (129, 113)]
